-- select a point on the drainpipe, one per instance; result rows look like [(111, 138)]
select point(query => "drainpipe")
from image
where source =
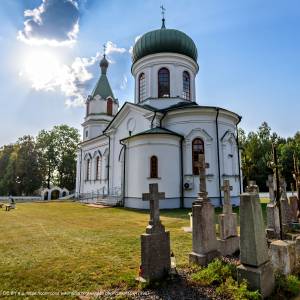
[(238, 149), (218, 149), (124, 172), (108, 162), (80, 173), (181, 174)]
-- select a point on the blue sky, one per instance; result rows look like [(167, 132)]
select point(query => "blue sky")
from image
[(249, 57)]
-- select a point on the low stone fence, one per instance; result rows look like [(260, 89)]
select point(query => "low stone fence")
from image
[(21, 199), (24, 199)]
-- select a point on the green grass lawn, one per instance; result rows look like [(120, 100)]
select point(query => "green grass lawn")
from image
[(72, 247)]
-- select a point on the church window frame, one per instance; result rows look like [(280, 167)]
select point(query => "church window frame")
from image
[(142, 87), (197, 148), (153, 166), (88, 169), (163, 80), (109, 107), (98, 168), (186, 85)]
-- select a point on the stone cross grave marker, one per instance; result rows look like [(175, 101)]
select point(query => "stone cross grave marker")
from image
[(204, 241), (153, 197), (270, 185), (155, 243), (229, 240), (202, 177), (282, 184), (226, 188)]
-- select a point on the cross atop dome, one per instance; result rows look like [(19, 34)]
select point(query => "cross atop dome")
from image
[(104, 50), (163, 16)]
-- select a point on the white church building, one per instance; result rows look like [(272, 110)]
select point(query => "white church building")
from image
[(158, 137)]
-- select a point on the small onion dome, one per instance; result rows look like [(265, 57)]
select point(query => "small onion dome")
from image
[(164, 40), (103, 64)]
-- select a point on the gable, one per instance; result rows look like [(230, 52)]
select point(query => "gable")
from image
[(126, 110)]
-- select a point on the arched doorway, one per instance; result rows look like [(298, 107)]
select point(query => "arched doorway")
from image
[(54, 194), (64, 194), (46, 195)]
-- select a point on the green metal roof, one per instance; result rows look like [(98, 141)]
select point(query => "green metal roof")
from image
[(103, 87), (155, 130), (164, 40)]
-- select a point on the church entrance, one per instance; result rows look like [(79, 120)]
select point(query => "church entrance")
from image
[(54, 194)]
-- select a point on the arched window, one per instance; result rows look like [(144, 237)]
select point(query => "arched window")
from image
[(163, 83), (109, 106), (153, 167), (186, 85), (98, 168), (88, 169), (142, 87), (197, 148)]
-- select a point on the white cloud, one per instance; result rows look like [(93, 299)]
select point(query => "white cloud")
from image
[(112, 48), (45, 72), (124, 83), (135, 40), (130, 50)]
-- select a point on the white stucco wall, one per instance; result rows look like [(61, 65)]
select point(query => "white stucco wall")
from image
[(175, 63), (138, 153)]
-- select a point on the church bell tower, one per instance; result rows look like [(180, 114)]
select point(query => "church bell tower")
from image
[(101, 105)]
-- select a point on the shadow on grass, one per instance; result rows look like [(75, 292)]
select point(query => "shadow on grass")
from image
[(182, 213)]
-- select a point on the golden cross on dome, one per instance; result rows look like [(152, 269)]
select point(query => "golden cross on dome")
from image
[(104, 49)]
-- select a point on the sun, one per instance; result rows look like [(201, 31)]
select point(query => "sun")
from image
[(41, 68)]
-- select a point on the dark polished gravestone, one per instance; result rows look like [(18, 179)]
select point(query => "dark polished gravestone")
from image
[(155, 243)]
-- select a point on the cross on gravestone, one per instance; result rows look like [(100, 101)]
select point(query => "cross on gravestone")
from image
[(252, 187), (153, 197), (202, 176), (270, 185), (292, 189), (227, 208), (283, 185)]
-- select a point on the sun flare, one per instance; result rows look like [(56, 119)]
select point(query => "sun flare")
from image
[(41, 68)]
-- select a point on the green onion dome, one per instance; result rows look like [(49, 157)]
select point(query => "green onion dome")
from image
[(164, 40)]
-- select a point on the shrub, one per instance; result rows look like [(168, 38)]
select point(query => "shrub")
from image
[(232, 290), (287, 286), (216, 272)]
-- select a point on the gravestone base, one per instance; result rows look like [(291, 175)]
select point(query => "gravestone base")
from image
[(155, 255), (203, 259), (229, 246), (259, 278), (283, 256)]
